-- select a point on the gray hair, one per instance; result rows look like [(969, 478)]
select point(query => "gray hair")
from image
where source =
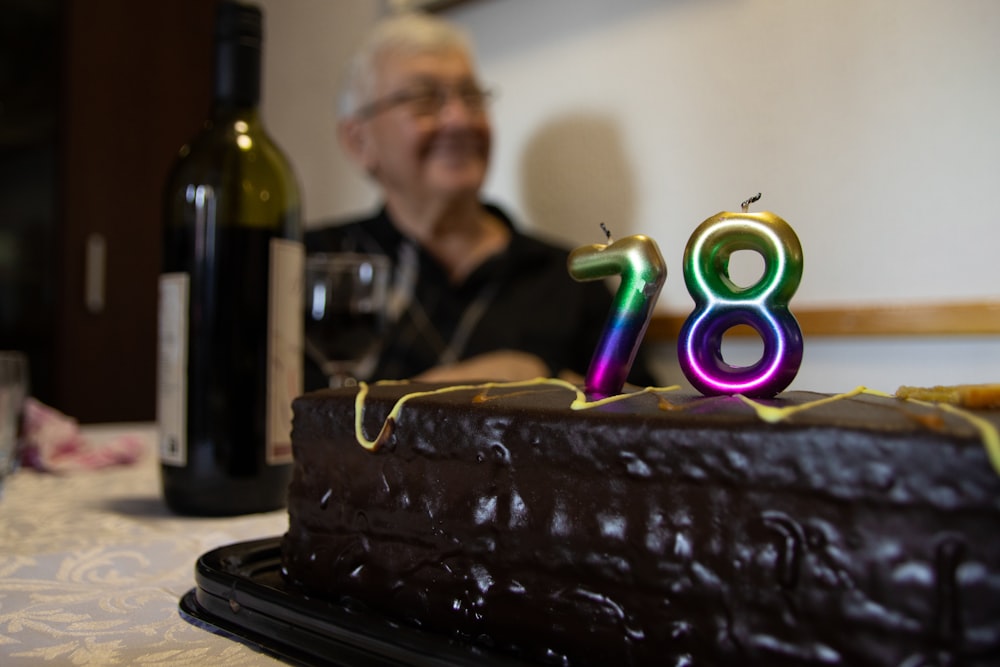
[(408, 33)]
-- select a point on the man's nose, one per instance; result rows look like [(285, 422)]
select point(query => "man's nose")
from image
[(456, 109)]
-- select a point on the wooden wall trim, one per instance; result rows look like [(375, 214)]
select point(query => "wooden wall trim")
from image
[(975, 318)]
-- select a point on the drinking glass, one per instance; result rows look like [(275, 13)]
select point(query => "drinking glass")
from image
[(346, 295), (13, 391)]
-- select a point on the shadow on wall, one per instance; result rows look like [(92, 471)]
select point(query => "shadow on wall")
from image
[(574, 176)]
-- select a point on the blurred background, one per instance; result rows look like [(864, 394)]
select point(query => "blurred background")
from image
[(869, 125)]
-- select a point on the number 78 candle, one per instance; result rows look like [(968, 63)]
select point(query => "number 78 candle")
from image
[(638, 261)]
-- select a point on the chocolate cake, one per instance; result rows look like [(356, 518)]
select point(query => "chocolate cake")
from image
[(662, 529)]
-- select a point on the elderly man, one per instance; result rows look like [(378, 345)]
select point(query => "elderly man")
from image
[(476, 298)]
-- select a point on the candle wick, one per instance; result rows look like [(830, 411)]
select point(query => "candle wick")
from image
[(746, 205), (607, 232)]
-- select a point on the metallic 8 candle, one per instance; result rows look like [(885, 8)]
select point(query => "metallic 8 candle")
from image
[(638, 261), (720, 304)]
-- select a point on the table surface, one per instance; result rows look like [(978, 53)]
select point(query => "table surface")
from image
[(92, 566)]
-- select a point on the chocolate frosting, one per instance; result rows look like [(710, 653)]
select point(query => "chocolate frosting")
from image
[(666, 529)]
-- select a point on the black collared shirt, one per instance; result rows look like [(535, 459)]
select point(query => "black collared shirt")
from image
[(520, 299)]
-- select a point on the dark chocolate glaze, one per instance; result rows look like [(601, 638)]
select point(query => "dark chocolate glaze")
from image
[(862, 532)]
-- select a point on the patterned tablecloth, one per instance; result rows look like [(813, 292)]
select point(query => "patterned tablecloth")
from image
[(92, 566)]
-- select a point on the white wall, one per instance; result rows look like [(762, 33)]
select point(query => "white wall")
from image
[(871, 126), (306, 43)]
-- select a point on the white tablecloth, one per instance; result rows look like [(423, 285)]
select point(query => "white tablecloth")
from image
[(92, 566)]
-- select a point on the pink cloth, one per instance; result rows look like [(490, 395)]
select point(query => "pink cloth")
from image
[(53, 443)]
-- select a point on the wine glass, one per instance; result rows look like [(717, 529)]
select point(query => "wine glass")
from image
[(346, 295), (13, 391)]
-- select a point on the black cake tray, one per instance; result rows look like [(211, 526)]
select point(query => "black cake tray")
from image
[(241, 593)]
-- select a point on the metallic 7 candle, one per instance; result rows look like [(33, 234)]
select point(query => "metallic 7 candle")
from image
[(638, 261), (720, 304)]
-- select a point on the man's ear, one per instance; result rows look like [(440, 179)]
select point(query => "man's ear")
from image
[(354, 139)]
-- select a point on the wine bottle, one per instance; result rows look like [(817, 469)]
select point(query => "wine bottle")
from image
[(230, 333)]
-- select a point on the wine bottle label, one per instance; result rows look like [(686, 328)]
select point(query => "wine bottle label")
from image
[(171, 395), (284, 346)]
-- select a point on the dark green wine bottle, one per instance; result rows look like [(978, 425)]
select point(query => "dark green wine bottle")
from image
[(230, 336)]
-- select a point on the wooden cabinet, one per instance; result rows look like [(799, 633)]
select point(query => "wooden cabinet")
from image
[(80, 255)]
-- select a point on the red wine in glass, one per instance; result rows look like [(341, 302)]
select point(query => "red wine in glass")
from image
[(345, 313)]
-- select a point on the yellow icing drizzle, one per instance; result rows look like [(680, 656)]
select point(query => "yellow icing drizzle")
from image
[(987, 431), (772, 414), (390, 420), (580, 402), (767, 413)]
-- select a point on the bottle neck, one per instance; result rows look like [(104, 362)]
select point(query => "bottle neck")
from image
[(237, 73)]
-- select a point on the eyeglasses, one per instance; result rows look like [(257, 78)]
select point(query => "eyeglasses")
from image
[(428, 99)]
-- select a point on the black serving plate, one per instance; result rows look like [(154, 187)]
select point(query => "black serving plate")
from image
[(240, 591)]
